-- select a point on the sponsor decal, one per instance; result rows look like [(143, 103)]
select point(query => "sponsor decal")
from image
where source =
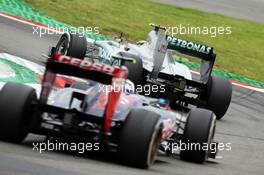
[(96, 66), (189, 45)]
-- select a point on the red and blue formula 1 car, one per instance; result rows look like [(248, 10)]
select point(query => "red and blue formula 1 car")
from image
[(99, 107), (97, 114)]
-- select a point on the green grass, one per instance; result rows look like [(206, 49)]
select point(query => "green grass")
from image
[(241, 52)]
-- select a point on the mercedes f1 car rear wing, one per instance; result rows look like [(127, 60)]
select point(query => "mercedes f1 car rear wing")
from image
[(201, 51), (204, 52), (190, 48)]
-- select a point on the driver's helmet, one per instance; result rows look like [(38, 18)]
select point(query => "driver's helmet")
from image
[(164, 103), (129, 87)]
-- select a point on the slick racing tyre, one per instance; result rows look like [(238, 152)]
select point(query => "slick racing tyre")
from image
[(135, 70), (140, 138), (74, 45), (16, 111), (198, 133), (218, 95)]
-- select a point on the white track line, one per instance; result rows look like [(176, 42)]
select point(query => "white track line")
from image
[(243, 85)]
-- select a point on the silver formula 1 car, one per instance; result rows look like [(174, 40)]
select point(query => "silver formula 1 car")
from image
[(153, 64)]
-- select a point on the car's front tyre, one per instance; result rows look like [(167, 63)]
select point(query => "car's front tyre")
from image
[(74, 45)]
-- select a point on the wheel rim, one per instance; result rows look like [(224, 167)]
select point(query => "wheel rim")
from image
[(210, 136), (154, 144), (62, 46)]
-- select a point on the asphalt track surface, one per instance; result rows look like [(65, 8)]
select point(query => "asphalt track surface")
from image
[(242, 127), (243, 9)]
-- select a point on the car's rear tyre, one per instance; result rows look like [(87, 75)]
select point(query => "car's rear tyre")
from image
[(135, 70), (16, 111), (218, 95), (140, 138), (74, 45), (199, 130)]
